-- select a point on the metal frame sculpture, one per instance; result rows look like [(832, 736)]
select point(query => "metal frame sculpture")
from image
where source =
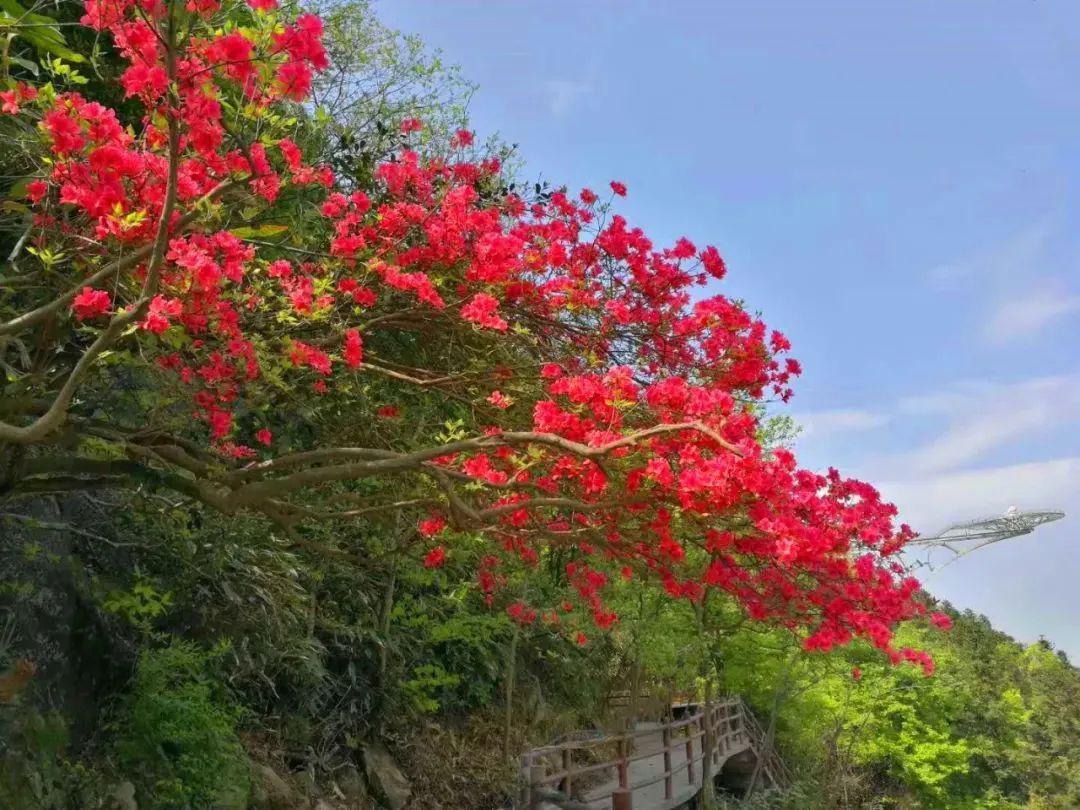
[(978, 534)]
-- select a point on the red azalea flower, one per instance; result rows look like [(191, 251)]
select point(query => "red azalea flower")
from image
[(161, 310), (432, 525), (91, 303), (354, 349), (12, 98), (481, 310), (36, 190), (941, 621)]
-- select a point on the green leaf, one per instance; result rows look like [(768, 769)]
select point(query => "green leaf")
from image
[(246, 232), (26, 63), (39, 31)]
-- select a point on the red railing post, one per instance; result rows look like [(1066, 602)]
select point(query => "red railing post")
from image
[(622, 798)]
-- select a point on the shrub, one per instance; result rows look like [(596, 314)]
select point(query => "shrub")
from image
[(176, 736)]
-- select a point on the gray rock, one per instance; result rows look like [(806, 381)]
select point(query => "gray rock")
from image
[(352, 787), (307, 783), (270, 792), (123, 797), (385, 777), (235, 796)]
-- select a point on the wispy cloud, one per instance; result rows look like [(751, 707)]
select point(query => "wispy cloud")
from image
[(563, 94), (1029, 313), (1018, 284), (971, 421), (1021, 255), (984, 417), (821, 424)]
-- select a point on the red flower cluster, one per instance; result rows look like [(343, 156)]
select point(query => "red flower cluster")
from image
[(432, 526), (481, 310), (91, 303), (20, 94), (645, 455)]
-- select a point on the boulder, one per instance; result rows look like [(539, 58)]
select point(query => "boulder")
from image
[(352, 787), (385, 777), (123, 797), (270, 792)]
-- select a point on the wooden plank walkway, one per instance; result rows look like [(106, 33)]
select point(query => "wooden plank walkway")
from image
[(648, 772), (657, 766)]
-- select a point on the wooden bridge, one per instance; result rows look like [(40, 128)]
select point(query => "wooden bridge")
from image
[(655, 766)]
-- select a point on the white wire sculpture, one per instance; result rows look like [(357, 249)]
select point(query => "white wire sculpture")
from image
[(963, 538)]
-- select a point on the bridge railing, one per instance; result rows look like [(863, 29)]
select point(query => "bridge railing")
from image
[(772, 764), (716, 731)]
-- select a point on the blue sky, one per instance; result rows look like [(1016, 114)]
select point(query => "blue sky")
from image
[(894, 185)]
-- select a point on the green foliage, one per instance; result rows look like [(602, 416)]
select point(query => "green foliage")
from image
[(392, 76), (426, 681), (36, 772), (142, 606), (994, 727), (19, 25), (176, 734)]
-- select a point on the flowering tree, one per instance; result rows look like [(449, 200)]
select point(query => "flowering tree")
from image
[(601, 409)]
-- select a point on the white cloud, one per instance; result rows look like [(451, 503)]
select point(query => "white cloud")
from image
[(563, 94), (936, 481), (1017, 285), (1020, 256), (1024, 315), (984, 417), (828, 423), (968, 421)]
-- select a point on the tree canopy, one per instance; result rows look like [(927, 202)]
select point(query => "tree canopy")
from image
[(608, 407)]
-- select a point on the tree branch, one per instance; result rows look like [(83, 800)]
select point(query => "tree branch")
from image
[(56, 413)]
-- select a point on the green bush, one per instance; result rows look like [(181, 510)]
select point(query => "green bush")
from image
[(176, 737), (35, 771)]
